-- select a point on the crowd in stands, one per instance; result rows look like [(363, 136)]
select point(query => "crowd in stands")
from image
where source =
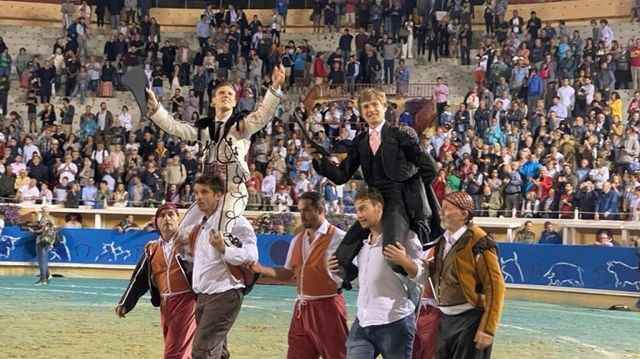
[(542, 134)]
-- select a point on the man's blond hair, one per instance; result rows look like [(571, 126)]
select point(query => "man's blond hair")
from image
[(371, 94)]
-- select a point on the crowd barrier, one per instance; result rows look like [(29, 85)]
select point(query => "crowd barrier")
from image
[(579, 267)]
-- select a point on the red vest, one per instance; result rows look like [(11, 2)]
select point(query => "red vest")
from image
[(167, 279), (312, 275)]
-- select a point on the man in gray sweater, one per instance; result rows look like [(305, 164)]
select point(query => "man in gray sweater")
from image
[(389, 53)]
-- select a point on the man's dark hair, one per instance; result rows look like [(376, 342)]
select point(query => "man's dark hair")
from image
[(315, 200), (371, 194), (215, 183)]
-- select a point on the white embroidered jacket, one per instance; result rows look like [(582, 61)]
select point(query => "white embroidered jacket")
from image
[(234, 148)]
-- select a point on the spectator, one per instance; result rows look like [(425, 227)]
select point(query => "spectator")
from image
[(607, 203), (512, 190), (634, 62), (89, 192), (525, 234), (390, 53), (127, 224), (74, 196), (441, 92), (604, 238), (549, 235), (72, 220)]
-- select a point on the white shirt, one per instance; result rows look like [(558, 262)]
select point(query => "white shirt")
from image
[(383, 295), (606, 35), (567, 96), (68, 170), (167, 248), (28, 194), (269, 185), (210, 273), (303, 186), (29, 151), (102, 120), (125, 121), (452, 238), (590, 91), (307, 245)]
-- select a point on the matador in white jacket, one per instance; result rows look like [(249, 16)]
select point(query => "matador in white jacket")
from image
[(226, 137)]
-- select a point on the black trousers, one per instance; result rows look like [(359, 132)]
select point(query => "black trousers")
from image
[(456, 334), (422, 46), (395, 227), (465, 55), (100, 17), (433, 50)]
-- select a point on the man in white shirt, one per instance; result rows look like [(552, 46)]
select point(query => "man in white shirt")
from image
[(29, 149), (319, 323), (269, 185), (67, 169), (606, 34), (589, 90), (219, 279), (385, 321), (567, 95)]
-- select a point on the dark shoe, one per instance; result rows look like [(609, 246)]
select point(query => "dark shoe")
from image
[(39, 282)]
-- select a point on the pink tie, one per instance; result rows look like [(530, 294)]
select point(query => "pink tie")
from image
[(374, 141)]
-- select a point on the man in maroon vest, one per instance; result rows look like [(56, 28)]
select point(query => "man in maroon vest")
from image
[(319, 323), (162, 271)]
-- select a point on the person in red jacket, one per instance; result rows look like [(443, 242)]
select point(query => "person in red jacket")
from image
[(319, 69)]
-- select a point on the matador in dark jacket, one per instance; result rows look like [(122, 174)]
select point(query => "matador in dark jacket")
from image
[(392, 162)]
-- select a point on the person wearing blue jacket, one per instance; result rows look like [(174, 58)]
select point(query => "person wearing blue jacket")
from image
[(608, 202), (529, 169), (535, 88), (549, 236)]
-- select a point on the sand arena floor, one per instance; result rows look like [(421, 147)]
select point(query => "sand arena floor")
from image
[(74, 318)]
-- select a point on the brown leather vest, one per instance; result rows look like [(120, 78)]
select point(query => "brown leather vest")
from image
[(445, 277)]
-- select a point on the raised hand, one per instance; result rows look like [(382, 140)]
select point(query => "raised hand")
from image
[(152, 102), (277, 77)]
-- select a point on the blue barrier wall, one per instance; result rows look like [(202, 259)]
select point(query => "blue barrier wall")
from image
[(554, 265)]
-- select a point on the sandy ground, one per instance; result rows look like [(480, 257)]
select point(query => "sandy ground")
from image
[(69, 319)]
